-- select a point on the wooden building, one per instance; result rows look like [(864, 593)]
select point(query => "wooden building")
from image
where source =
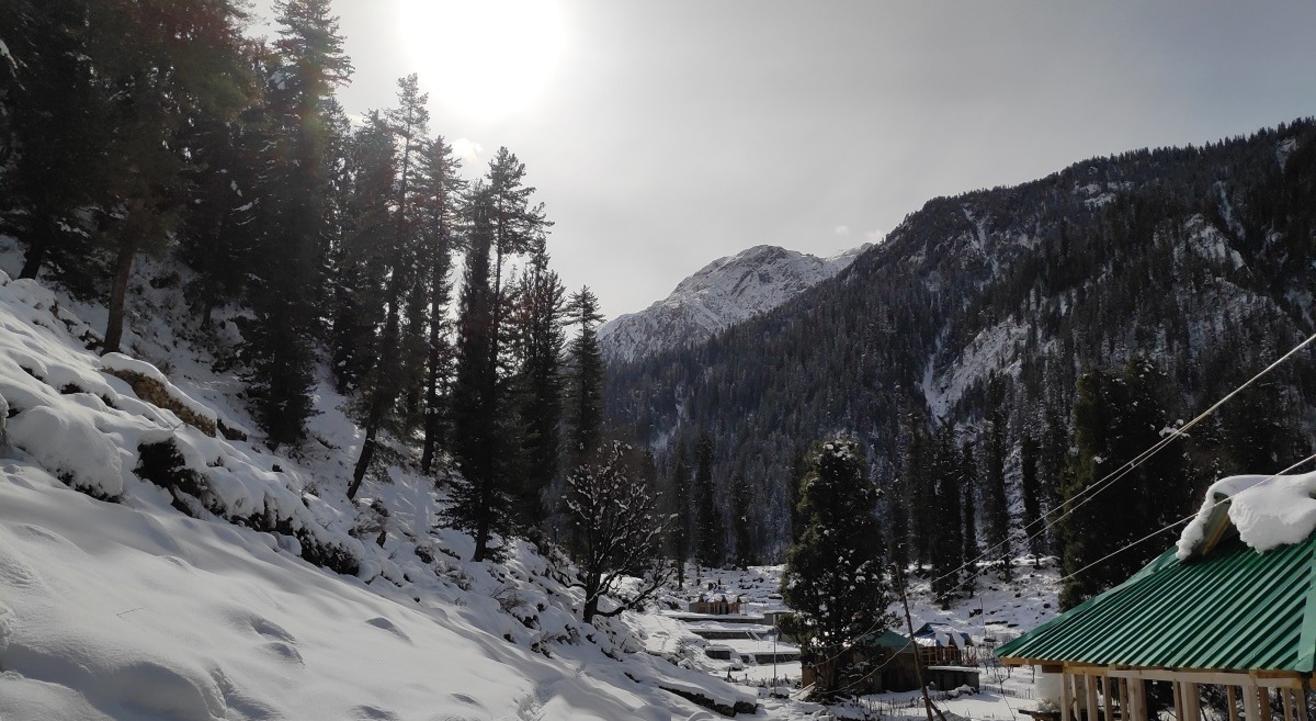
[(1227, 616), (720, 606), (886, 662)]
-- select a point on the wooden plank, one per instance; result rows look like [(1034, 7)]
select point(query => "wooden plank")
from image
[(1192, 702), (1108, 697), (1231, 701), (1090, 694), (1137, 700), (1123, 685), (1286, 697), (1300, 699), (1251, 702), (1067, 698), (1178, 701)]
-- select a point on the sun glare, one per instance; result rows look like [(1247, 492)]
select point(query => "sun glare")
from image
[(487, 58)]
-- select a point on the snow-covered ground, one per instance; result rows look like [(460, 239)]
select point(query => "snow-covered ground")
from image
[(203, 593), (117, 604)]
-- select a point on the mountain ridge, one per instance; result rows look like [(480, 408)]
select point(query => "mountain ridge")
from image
[(725, 291)]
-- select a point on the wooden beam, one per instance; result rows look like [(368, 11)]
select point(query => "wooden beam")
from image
[(1178, 701), (1090, 693), (1067, 698), (1286, 697), (1252, 702), (1126, 708), (1300, 697), (1137, 700), (1108, 695), (1231, 701), (1192, 702)]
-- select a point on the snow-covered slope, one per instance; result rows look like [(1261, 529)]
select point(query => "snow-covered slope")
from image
[(155, 564), (722, 293)]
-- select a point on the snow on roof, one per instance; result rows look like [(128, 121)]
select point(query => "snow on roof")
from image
[(1267, 511)]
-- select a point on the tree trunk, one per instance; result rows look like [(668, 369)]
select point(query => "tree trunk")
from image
[(42, 238), (363, 461), (123, 266)]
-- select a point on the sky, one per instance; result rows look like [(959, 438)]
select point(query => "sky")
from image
[(664, 134)]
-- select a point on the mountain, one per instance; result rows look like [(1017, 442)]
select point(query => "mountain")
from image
[(1200, 259), (726, 291)]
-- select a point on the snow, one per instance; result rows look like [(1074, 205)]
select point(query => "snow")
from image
[(724, 292), (115, 604), (1267, 511)]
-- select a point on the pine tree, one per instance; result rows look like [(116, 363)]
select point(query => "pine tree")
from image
[(1029, 450), (440, 190), (996, 504), (179, 67), (279, 340), (1116, 417), (539, 318), (969, 508), (683, 527), (742, 523), (586, 388), (834, 578), (382, 369), (57, 116), (479, 496), (709, 551), (947, 471)]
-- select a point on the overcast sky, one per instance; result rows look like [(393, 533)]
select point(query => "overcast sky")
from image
[(663, 134)]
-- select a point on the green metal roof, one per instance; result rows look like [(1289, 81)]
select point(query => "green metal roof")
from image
[(885, 639), (1233, 610)]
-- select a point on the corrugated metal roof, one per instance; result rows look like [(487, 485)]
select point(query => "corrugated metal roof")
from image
[(1235, 610)]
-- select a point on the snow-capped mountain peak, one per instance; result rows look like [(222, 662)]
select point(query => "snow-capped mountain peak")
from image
[(722, 293)]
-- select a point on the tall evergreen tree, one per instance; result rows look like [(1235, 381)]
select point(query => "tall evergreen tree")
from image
[(969, 509), (1116, 417), (539, 317), (1029, 450), (834, 578), (440, 189), (683, 528), (996, 501), (947, 474), (280, 338), (742, 523), (479, 497), (709, 538), (586, 386)]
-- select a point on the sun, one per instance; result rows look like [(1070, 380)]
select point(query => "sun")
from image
[(484, 58)]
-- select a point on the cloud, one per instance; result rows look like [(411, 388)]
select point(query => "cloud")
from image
[(467, 150), (841, 230), (874, 236)]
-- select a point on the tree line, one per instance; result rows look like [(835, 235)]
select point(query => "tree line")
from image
[(160, 128)]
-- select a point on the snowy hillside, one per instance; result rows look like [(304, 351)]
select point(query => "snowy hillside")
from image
[(722, 293), (156, 564)]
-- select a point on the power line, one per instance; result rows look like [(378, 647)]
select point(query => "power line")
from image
[(1114, 476)]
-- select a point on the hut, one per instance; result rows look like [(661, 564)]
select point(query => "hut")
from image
[(891, 659), (1215, 611), (720, 606)]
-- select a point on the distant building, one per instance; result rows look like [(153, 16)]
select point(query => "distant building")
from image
[(887, 661), (720, 606)]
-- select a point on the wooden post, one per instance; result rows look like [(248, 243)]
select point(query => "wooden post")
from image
[(1125, 708), (1286, 696), (1252, 703), (1231, 701), (1192, 702), (1300, 697), (1108, 695), (1066, 698), (1137, 700), (1090, 696), (1178, 700)]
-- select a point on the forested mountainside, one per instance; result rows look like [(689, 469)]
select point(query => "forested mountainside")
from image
[(724, 292), (979, 313)]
